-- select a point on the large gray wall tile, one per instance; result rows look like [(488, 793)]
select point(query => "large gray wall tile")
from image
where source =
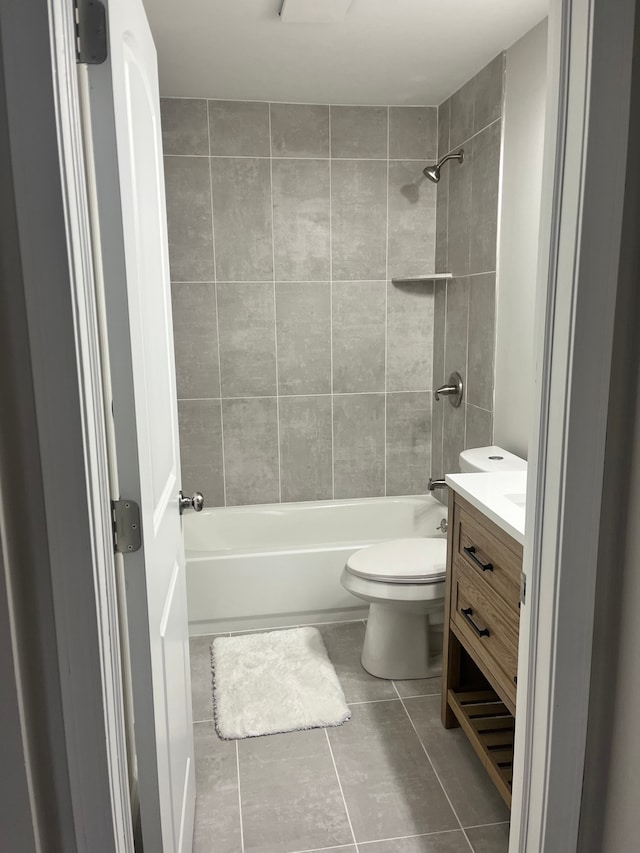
[(413, 133), (479, 430), (453, 429), (184, 126), (303, 319), (456, 327), (408, 443), (301, 219), (481, 356), (358, 311), (201, 449), (188, 193), (461, 115), (290, 794), (251, 450), (217, 802), (459, 212), (472, 793), (442, 223), (409, 336), (299, 130), (488, 87), (195, 336), (439, 326), (358, 445), (242, 219), (412, 220), (437, 434), (305, 448), (239, 128), (484, 201), (246, 325), (443, 128), (359, 132), (359, 219), (402, 795)]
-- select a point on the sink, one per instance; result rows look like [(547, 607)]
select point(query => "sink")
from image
[(519, 500)]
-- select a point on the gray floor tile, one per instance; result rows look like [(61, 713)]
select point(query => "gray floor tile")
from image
[(388, 784), (217, 821), (344, 644), (419, 687), (440, 842), (201, 682), (290, 794), (490, 839), (472, 793)]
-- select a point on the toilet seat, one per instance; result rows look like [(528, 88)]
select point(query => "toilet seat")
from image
[(401, 561)]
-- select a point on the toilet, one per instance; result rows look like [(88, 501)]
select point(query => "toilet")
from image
[(404, 582)]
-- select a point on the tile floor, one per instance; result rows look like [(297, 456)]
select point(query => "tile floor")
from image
[(391, 780)]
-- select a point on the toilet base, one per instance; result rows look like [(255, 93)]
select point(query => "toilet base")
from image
[(397, 644)]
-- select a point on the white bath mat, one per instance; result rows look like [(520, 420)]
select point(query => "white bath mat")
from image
[(280, 681)]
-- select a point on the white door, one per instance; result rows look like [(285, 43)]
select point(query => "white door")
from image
[(124, 109)]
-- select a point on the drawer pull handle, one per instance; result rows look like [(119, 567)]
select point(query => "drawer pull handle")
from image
[(467, 612), (471, 553)]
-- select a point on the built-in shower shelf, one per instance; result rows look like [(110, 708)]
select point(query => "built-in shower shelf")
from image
[(438, 276)]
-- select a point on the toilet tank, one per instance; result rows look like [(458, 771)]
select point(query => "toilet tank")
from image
[(485, 459)]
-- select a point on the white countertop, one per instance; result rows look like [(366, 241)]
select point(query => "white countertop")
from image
[(499, 495)]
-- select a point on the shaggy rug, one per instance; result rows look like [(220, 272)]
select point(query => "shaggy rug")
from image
[(280, 681)]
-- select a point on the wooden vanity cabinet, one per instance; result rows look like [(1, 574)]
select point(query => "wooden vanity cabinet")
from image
[(480, 647)]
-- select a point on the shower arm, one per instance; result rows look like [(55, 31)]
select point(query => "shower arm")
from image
[(459, 156)]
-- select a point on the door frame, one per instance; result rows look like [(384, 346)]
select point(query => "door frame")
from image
[(579, 255), (59, 585), (582, 211)]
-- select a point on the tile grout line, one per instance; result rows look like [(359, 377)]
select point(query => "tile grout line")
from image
[(338, 394), (215, 289), (424, 749), (364, 844), (386, 307), (322, 159), (275, 313), (333, 461), (325, 281), (346, 808), (473, 135), (239, 797)]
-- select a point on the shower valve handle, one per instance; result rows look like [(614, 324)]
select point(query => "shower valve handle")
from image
[(453, 390)]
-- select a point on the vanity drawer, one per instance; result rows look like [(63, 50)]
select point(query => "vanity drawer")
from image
[(486, 556), (487, 627)]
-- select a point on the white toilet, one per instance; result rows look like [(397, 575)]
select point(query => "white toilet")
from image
[(404, 582)]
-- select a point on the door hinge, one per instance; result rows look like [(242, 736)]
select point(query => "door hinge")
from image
[(91, 32), (125, 517), (523, 588)]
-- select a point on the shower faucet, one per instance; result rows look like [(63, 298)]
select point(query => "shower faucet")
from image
[(453, 390)]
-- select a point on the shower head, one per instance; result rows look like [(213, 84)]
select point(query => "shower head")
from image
[(433, 172)]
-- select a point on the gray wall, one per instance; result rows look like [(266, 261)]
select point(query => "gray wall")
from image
[(302, 372), (465, 307), (524, 120)]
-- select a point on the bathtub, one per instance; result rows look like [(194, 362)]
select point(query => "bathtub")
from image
[(280, 564)]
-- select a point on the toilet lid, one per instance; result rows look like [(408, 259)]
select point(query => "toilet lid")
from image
[(401, 561)]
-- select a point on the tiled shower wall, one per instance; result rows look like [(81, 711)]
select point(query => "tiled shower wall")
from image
[(302, 372), (467, 224)]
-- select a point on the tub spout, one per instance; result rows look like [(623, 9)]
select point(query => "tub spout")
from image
[(437, 484)]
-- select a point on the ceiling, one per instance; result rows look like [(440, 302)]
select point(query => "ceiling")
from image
[(382, 52)]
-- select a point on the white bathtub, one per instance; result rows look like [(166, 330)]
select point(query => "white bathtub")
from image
[(280, 564)]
